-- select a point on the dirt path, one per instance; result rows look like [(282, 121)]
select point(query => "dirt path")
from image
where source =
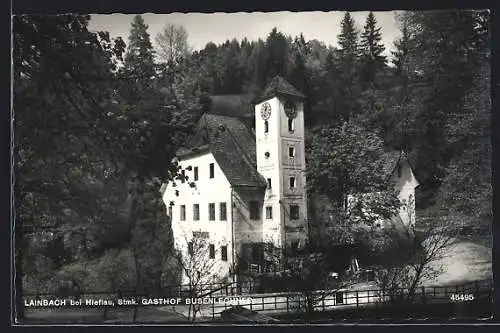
[(465, 261)]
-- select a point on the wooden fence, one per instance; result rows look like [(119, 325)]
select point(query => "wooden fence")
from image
[(349, 298), (224, 296)]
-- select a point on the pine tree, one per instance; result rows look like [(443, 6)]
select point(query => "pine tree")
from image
[(401, 52), (371, 51), (276, 54), (348, 40), (348, 85), (139, 58)]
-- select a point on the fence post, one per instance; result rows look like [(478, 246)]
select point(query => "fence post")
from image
[(323, 301), (357, 299), (213, 310), (423, 294), (287, 308)]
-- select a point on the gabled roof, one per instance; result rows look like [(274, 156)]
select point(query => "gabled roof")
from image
[(390, 161), (233, 146), (278, 86)]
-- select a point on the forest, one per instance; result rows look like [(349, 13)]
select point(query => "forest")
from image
[(97, 122)]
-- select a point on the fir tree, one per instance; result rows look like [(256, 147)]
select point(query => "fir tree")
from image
[(371, 50), (348, 40), (139, 58), (348, 86)]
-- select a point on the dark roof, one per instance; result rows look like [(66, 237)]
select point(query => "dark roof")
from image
[(390, 161), (279, 86), (233, 146), (232, 105)]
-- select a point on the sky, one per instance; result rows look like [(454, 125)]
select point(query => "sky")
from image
[(218, 27)]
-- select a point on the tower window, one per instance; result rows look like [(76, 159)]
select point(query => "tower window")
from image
[(291, 151), (196, 212), (211, 250), (269, 212), (195, 173), (294, 212), (291, 125), (223, 211), (269, 185), (266, 154), (292, 182), (266, 126), (254, 210), (183, 212), (211, 170), (211, 212), (223, 252)]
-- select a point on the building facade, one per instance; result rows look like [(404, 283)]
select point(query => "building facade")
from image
[(245, 188), (401, 179)]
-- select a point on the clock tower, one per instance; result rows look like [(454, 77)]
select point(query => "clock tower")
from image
[(280, 144)]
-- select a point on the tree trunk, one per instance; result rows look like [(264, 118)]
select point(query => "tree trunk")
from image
[(416, 280)]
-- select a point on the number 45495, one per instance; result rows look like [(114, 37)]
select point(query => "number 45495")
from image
[(462, 297)]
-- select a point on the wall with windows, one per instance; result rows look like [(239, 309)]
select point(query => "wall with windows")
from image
[(204, 210)]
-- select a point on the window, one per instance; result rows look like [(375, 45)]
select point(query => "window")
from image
[(269, 183), (292, 182), (266, 154), (211, 170), (211, 251), (190, 248), (294, 212), (291, 124), (269, 212), (222, 211), (195, 173), (201, 234), (196, 212), (294, 247), (183, 212), (211, 211), (223, 252), (291, 151), (254, 210), (266, 126)]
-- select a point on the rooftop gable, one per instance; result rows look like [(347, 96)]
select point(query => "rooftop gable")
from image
[(233, 146)]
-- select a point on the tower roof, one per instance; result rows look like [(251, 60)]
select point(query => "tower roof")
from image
[(278, 86)]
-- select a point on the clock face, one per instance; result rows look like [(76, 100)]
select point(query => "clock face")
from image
[(265, 111), (290, 110)]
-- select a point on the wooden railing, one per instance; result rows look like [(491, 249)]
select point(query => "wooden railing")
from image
[(228, 295)]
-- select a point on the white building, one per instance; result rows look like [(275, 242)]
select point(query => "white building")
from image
[(397, 168), (249, 184)]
